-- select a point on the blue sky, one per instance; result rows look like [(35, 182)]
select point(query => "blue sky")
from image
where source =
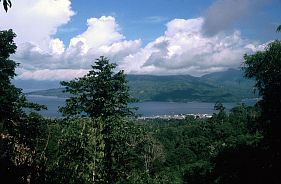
[(59, 39), (146, 19)]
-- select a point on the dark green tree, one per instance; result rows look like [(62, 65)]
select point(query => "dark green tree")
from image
[(11, 97), (265, 68), (104, 94), (19, 132), (100, 93), (12, 100), (221, 115)]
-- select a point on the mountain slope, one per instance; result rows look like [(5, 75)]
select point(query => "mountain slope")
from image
[(179, 88), (228, 86), (233, 79), (228, 75)]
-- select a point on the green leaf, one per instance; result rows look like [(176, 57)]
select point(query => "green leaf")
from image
[(7, 4)]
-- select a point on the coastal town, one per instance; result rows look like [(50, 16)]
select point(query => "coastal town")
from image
[(176, 116)]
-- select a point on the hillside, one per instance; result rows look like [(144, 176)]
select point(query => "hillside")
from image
[(227, 86), (231, 77), (233, 80)]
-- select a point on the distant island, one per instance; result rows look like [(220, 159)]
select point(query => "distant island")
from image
[(226, 86)]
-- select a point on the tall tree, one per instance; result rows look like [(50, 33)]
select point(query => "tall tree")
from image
[(265, 68), (18, 131), (103, 94), (12, 100), (10, 96), (100, 93)]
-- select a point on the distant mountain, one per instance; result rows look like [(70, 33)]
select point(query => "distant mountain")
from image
[(230, 74), (232, 77), (58, 92), (35, 85), (227, 86), (178, 88)]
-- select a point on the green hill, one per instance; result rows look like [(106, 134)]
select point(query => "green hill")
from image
[(231, 77), (228, 86)]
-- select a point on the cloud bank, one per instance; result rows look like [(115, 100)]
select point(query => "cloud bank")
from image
[(184, 48)]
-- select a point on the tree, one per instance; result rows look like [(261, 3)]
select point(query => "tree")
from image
[(12, 100), (18, 131), (221, 115), (265, 68), (10, 96), (6, 4), (100, 93), (104, 94)]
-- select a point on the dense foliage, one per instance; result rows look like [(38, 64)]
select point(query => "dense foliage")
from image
[(21, 141), (103, 95), (192, 147), (265, 68)]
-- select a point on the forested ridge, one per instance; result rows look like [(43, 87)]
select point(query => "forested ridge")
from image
[(99, 140), (226, 86)]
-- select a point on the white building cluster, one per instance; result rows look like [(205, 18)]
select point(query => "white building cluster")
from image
[(177, 116)]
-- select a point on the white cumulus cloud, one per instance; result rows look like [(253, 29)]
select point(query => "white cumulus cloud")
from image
[(183, 48), (101, 31), (102, 37), (56, 46), (35, 21)]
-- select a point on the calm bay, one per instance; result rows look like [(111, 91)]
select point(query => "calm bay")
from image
[(144, 108)]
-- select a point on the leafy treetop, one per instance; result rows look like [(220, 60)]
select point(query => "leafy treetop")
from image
[(100, 93), (265, 68), (12, 100)]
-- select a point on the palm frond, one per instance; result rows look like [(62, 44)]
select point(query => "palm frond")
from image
[(7, 4)]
